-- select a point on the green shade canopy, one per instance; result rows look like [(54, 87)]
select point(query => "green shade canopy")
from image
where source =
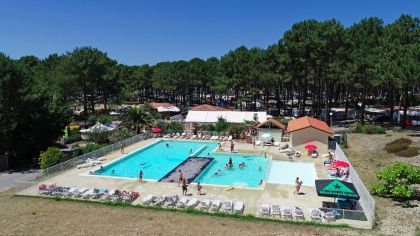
[(336, 188)]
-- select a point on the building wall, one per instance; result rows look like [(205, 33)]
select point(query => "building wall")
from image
[(314, 136), (275, 133)]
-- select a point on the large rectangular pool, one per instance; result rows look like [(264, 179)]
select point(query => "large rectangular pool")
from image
[(158, 159)]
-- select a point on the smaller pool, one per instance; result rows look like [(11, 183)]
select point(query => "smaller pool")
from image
[(285, 172)]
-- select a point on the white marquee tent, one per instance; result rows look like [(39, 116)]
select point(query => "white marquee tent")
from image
[(230, 116)]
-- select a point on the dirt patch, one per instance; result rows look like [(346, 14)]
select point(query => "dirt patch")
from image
[(367, 154)]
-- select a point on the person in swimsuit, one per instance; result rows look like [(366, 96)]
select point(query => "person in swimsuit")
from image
[(181, 177), (184, 186), (122, 148), (141, 176), (198, 188), (298, 184), (230, 162)]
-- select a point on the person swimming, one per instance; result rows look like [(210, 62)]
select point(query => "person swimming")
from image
[(167, 144), (218, 172), (259, 168), (191, 150), (113, 171)]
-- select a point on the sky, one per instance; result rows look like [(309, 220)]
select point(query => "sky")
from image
[(147, 32)]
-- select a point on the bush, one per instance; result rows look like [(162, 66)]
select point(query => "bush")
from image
[(52, 156), (398, 145), (103, 119), (368, 129), (173, 126), (98, 137), (397, 181), (221, 125), (120, 134), (208, 127)]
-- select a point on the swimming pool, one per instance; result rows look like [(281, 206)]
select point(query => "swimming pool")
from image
[(285, 172), (157, 159)]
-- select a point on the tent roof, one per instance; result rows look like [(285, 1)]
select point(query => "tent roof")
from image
[(272, 121), (307, 122), (230, 116), (168, 109), (206, 107)]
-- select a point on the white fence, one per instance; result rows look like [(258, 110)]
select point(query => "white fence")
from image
[(92, 155), (366, 200)]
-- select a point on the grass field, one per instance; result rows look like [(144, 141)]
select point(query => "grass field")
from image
[(34, 216)]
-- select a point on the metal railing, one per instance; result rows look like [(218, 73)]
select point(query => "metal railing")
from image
[(92, 155), (366, 200), (346, 214)]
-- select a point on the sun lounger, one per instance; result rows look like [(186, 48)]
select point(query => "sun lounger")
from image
[(213, 138), (193, 137), (79, 192), (215, 205), (276, 144), (275, 210), (182, 203), (265, 210), (227, 206), (160, 200), (225, 138), (88, 193), (170, 201), (99, 193), (167, 136), (328, 216), (238, 207), (193, 202), (148, 199), (182, 135), (220, 138), (286, 212), (258, 143), (299, 213), (205, 204), (126, 197), (314, 213), (101, 159), (108, 195), (70, 192)]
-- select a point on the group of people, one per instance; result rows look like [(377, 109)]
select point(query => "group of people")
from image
[(182, 181)]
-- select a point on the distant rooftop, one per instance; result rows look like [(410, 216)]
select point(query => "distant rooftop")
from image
[(206, 107), (306, 122)]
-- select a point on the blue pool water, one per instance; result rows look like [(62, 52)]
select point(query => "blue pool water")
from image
[(285, 172), (157, 160)]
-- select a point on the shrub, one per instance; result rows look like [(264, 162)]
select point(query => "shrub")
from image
[(98, 137), (398, 145), (120, 134), (397, 181), (221, 125), (368, 129), (52, 156), (173, 126)]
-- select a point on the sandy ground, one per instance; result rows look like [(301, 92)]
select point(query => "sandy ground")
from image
[(30, 216), (367, 155)]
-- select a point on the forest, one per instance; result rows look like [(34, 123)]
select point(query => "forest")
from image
[(316, 64)]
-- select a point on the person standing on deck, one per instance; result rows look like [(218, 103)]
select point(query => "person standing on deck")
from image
[(184, 187), (181, 177), (122, 148), (232, 146), (141, 176)]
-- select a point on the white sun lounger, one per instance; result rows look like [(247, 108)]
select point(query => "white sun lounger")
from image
[(88, 193), (170, 201), (193, 202), (79, 192), (299, 213), (215, 205), (314, 213), (328, 216), (265, 210), (275, 210), (276, 144), (193, 137), (159, 201), (225, 138), (148, 199), (258, 143), (108, 195), (70, 192), (238, 207), (182, 203), (205, 204), (228, 206), (286, 212)]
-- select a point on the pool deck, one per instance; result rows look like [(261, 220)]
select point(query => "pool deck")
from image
[(269, 193)]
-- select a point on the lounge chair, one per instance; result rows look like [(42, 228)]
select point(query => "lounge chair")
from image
[(275, 210), (108, 195), (329, 216), (258, 143), (70, 192), (207, 137), (170, 201), (299, 213), (182, 135), (227, 206), (215, 205), (88, 193), (238, 207), (148, 199), (286, 212), (160, 200), (193, 202), (99, 193), (265, 210), (79, 192), (205, 204), (314, 213), (221, 138), (167, 136), (225, 138), (182, 203), (193, 137), (214, 138), (276, 144)]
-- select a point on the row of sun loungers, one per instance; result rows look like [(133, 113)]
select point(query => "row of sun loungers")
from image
[(192, 202), (91, 162), (88, 193), (198, 137), (286, 213)]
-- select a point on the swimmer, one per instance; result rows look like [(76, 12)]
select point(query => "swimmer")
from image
[(113, 171), (226, 166), (102, 167), (167, 144), (191, 150), (208, 154), (240, 165), (261, 182), (218, 172), (259, 168)]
